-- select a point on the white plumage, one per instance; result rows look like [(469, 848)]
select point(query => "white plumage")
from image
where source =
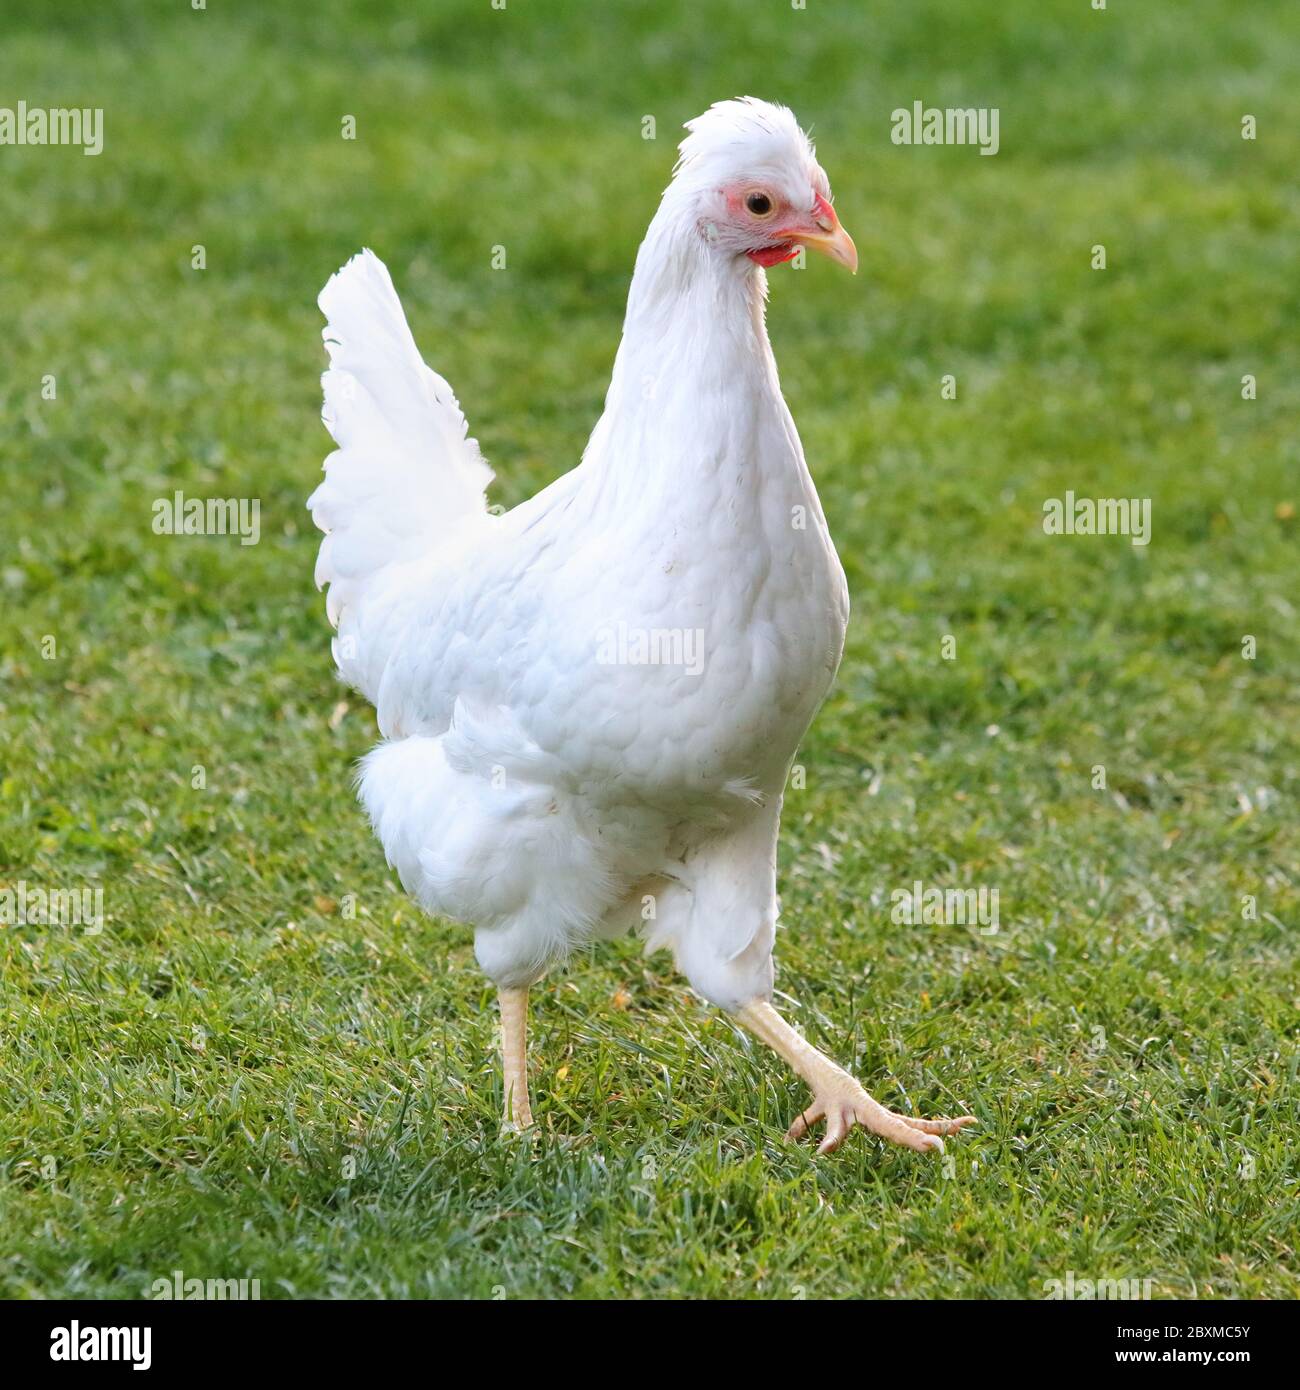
[(589, 704)]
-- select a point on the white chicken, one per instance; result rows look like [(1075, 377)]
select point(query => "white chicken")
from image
[(589, 705)]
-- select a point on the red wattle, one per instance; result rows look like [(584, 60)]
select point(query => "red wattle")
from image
[(774, 255)]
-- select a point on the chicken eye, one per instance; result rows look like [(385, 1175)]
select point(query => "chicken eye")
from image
[(759, 204)]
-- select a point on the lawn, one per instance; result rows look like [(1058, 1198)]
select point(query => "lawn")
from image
[(268, 1064)]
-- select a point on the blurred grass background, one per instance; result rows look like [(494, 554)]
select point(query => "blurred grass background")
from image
[(237, 1081)]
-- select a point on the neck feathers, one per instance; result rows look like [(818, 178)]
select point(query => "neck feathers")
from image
[(695, 383), (694, 318)]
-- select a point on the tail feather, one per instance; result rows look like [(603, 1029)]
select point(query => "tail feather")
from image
[(405, 472)]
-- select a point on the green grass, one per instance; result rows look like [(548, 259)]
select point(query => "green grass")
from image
[(236, 1079)]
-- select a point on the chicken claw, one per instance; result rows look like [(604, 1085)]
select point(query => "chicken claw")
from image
[(842, 1102), (839, 1098)]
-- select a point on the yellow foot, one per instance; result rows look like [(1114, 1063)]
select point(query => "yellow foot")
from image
[(518, 1114), (842, 1103), (837, 1097)]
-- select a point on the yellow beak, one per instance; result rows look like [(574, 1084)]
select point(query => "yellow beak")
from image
[(831, 240)]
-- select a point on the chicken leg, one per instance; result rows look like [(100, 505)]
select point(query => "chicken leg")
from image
[(838, 1097), (518, 1113)]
